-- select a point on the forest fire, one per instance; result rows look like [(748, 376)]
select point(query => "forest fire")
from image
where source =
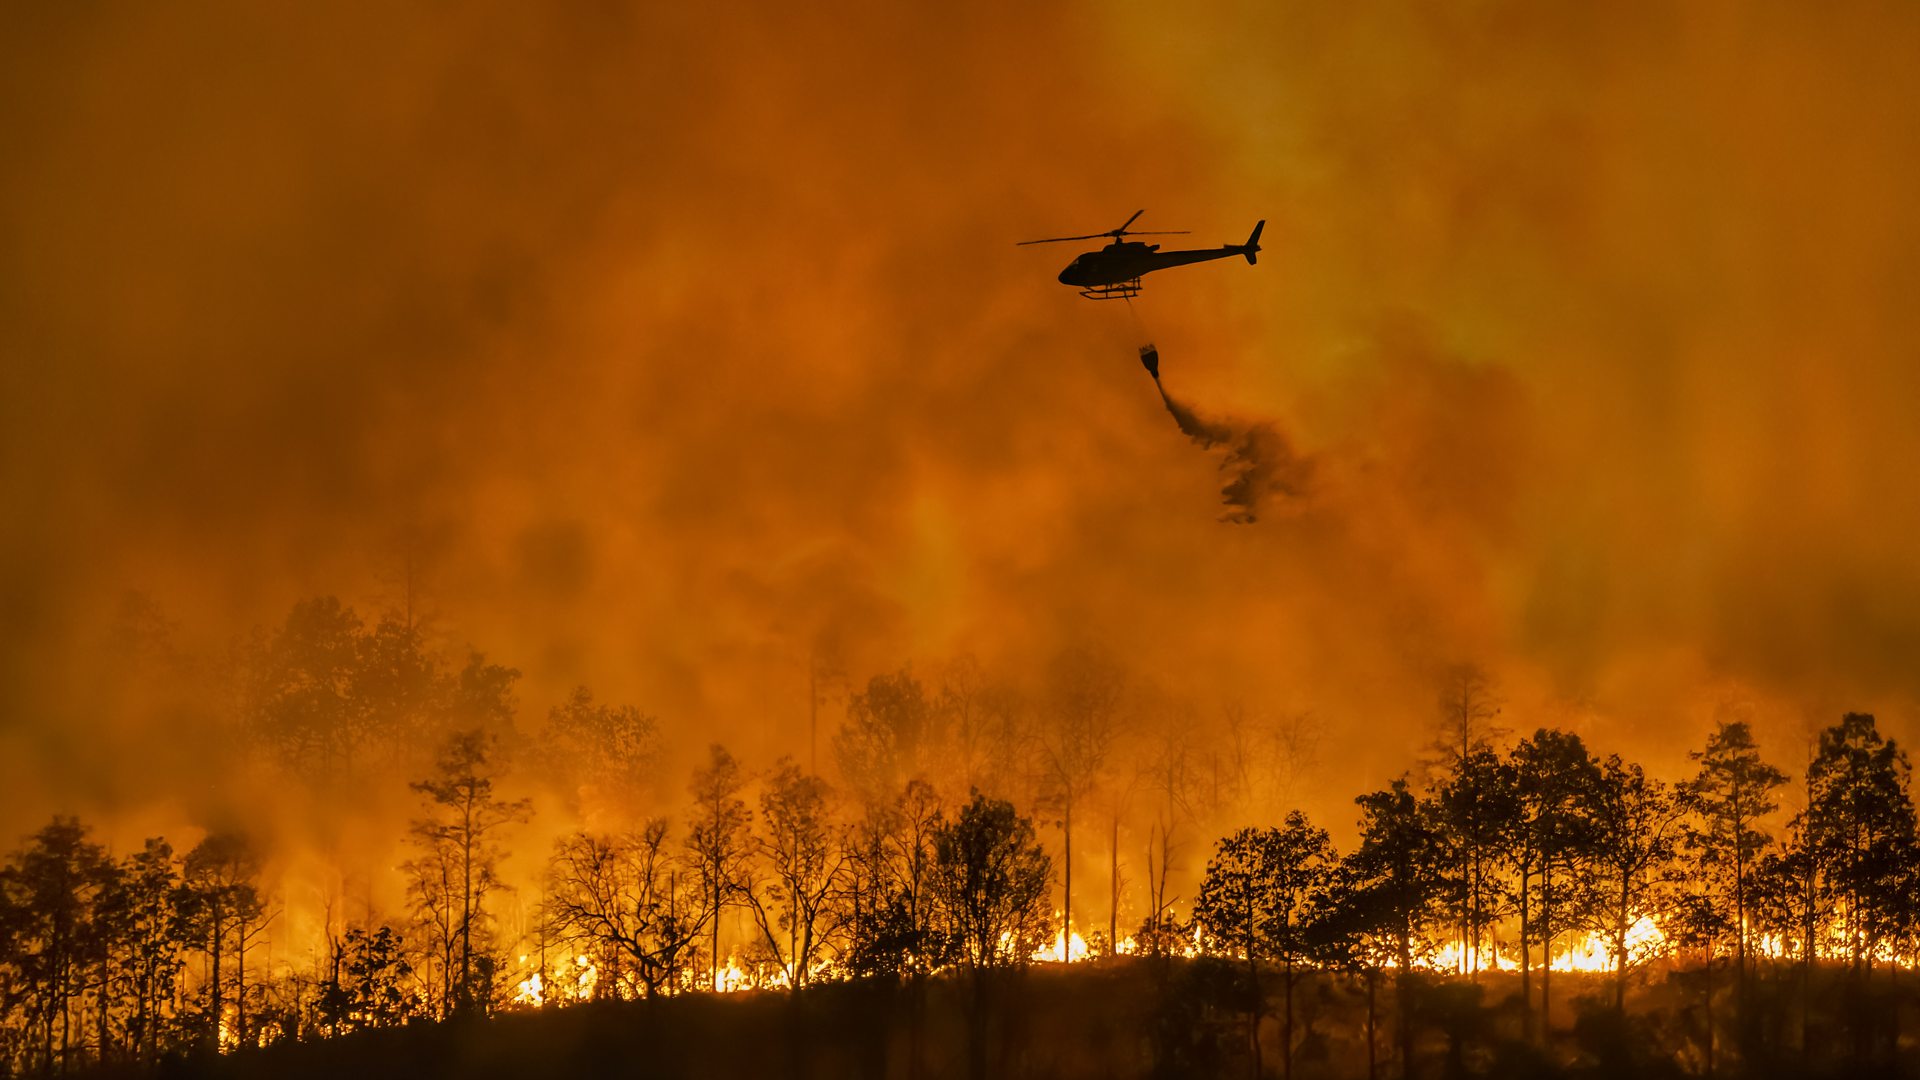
[(588, 512), (1534, 856)]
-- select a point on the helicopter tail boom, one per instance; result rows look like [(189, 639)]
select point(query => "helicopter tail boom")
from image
[(1252, 246)]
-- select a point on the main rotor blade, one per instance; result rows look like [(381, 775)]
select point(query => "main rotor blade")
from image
[(1061, 239), (1129, 221), (1161, 232)]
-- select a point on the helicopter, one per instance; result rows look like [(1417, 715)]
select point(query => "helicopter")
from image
[(1113, 272)]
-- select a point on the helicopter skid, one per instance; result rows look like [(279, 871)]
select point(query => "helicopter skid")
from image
[(1119, 290)]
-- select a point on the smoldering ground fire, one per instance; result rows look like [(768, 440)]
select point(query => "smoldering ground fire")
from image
[(673, 352)]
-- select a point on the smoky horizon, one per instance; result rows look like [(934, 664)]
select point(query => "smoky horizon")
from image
[(623, 382)]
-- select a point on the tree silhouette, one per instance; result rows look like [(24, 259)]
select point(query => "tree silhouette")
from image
[(1729, 796), (1636, 829), (1469, 792), (459, 868), (1859, 831), (1254, 900), (397, 688), (224, 908), (790, 905), (1784, 904), (992, 881), (1477, 805), (148, 931), (1235, 915), (614, 896), (52, 889), (719, 842), (369, 990), (887, 896), (887, 902), (605, 755), (1084, 692), (302, 700), (1396, 878), (888, 729), (1558, 784), (1351, 928)]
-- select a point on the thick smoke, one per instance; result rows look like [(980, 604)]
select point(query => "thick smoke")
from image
[(656, 345), (1259, 462)]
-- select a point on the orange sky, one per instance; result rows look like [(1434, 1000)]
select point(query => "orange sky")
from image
[(676, 338)]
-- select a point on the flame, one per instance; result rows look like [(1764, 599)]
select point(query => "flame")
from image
[(1571, 952), (571, 980), (1066, 949), (1595, 954), (1457, 956), (531, 991), (734, 978)]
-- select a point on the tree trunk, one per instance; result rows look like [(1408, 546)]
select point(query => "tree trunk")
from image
[(1620, 949), (1373, 978), (1113, 908), (1708, 973), (1066, 913), (1286, 1045), (1546, 954), (916, 1026), (240, 985), (977, 1027), (1253, 1014), (463, 988), (1473, 908), (218, 1004), (1403, 1003), (1620, 974), (1893, 1017), (1526, 960), (1740, 935)]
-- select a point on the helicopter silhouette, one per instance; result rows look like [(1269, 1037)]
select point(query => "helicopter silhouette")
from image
[(1113, 272)]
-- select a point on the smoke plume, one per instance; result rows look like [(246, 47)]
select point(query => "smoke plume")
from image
[(668, 349)]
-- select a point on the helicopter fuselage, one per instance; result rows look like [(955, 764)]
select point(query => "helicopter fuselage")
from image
[(1126, 260)]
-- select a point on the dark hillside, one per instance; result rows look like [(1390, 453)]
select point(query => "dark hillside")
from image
[(1133, 1019)]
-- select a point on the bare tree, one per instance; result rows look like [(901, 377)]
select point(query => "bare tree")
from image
[(615, 895), (791, 905), (1458, 763), (1170, 770), (1468, 703), (461, 853), (1084, 695), (719, 842), (964, 703)]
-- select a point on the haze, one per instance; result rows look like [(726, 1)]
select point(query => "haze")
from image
[(667, 349)]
